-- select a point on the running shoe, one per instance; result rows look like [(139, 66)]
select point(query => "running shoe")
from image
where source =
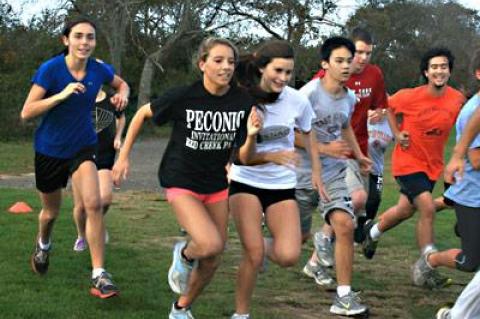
[(183, 313), (40, 260), (80, 244), (237, 316), (103, 286), (348, 305), (320, 275), (424, 275), (444, 313), (369, 245), (180, 270), (324, 249)]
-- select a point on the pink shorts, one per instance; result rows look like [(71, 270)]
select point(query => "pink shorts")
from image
[(173, 192)]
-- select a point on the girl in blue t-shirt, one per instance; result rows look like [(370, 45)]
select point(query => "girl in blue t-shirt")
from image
[(63, 94)]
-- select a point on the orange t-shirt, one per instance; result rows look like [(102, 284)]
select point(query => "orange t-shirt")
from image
[(429, 120)]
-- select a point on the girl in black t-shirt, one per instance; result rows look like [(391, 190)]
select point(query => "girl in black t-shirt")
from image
[(109, 125), (209, 120)]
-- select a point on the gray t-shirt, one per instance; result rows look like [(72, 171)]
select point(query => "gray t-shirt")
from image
[(379, 137), (332, 114)]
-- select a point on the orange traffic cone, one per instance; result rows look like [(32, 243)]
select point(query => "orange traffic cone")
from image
[(20, 208)]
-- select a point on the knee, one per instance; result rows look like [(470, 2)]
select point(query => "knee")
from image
[(92, 205), (106, 200), (359, 199), (210, 248), (344, 227), (49, 214), (288, 258), (254, 256)]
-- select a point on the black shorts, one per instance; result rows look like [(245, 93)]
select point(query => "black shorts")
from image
[(105, 159), (414, 184), (468, 224), (447, 201), (51, 173), (266, 197)]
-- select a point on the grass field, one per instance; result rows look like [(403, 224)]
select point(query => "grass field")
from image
[(142, 231)]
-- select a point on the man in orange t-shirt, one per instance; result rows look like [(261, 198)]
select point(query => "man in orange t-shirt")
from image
[(421, 119)]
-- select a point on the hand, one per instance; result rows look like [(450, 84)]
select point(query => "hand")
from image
[(120, 101), (318, 185), (72, 88), (289, 159), (254, 122), (454, 170), (337, 149), (403, 139), (377, 115), (365, 164), (120, 171), (117, 143)]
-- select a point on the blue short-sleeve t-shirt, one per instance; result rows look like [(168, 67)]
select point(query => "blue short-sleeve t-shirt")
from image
[(67, 127), (465, 191)]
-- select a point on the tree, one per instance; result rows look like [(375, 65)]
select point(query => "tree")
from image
[(404, 30)]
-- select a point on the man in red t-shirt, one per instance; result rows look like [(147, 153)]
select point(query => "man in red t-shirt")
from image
[(368, 84), (421, 119)]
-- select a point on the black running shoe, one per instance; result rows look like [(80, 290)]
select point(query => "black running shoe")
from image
[(103, 286), (369, 245), (39, 260)]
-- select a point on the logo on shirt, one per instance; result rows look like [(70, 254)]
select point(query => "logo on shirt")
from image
[(212, 130), (274, 132)]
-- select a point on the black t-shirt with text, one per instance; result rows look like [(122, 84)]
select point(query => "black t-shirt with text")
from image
[(205, 129)]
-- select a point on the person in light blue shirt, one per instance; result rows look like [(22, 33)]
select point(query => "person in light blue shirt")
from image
[(63, 94)]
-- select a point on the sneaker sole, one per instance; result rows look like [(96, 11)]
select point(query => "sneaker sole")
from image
[(34, 268), (97, 293), (171, 281), (327, 286), (342, 312)]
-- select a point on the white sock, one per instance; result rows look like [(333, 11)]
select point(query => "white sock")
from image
[(343, 290), (242, 315), (97, 272), (375, 233), (44, 246)]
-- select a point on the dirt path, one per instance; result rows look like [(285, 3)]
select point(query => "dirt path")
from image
[(144, 160)]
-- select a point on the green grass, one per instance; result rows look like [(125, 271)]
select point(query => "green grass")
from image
[(16, 157), (142, 231)]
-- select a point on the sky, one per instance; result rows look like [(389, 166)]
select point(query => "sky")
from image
[(30, 7)]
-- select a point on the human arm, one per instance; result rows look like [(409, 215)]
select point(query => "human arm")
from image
[(310, 139), (457, 163), (120, 98), (364, 161), (119, 127), (36, 104), (121, 167), (254, 124), (337, 149)]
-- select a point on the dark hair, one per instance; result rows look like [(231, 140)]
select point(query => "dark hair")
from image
[(248, 72), (334, 43), (69, 26), (360, 34), (432, 53)]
